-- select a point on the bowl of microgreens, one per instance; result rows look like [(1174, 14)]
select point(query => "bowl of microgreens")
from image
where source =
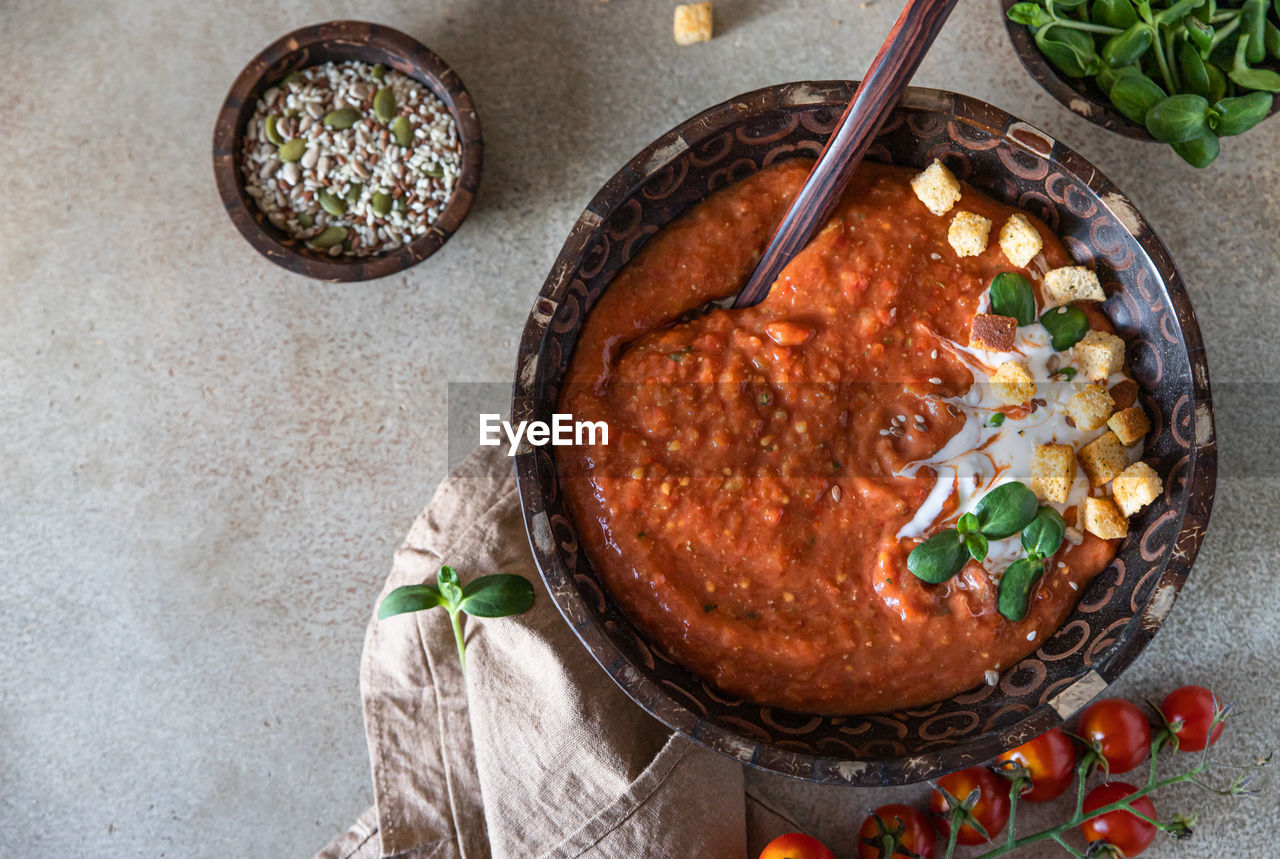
[(1182, 72)]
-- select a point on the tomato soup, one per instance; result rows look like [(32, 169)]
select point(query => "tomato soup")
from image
[(748, 510)]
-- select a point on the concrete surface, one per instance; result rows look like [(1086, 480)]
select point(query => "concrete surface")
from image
[(207, 461)]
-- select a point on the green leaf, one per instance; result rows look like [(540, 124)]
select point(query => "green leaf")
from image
[(1012, 295), (1030, 14), (1068, 373), (1179, 118), (1199, 152), (1217, 83), (967, 524), (1006, 510), (938, 558), (1253, 20), (1263, 80), (1193, 74), (1044, 535), (1128, 47), (1133, 94), (409, 598), (1238, 115), (1071, 51), (977, 546), (500, 595), (1272, 39), (1114, 13), (447, 582), (1014, 596), (1199, 34), (1066, 325)]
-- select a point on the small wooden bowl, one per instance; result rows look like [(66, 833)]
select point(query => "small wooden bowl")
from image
[(339, 41), (1079, 95)]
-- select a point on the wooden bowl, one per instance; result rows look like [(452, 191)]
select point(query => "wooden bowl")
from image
[(1121, 609), (339, 41), (1079, 95)]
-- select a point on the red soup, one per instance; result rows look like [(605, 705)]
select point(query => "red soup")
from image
[(746, 511)]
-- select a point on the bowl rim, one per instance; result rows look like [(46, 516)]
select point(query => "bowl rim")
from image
[(1193, 512), (359, 39), (1089, 101)]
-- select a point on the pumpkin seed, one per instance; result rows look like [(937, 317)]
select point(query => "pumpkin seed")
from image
[(331, 236), (331, 204), (436, 172), (306, 220), (342, 118), (381, 203), (378, 72), (269, 127), (293, 78), (293, 150), (353, 192), (384, 105), (401, 131)]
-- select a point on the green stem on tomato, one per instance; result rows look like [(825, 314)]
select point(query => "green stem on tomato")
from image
[(1076, 819), (1015, 792)]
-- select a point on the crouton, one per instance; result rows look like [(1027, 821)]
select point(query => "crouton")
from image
[(992, 332), (1053, 470), (1103, 458), (1136, 487), (1072, 283), (1130, 425), (937, 187), (1019, 240), (1125, 393), (1090, 407), (1014, 383), (968, 234), (1098, 355), (1103, 519), (693, 23)]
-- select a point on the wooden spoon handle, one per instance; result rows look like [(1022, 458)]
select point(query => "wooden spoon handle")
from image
[(890, 71)]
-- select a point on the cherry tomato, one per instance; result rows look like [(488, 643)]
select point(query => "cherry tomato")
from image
[(1050, 761), (1190, 711), (796, 845), (1124, 831), (992, 810), (1121, 729), (913, 830)]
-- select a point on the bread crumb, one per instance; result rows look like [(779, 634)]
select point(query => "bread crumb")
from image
[(692, 23), (1072, 283), (1098, 355), (1090, 407), (1136, 487), (1103, 519), (1053, 470), (1103, 458), (968, 234), (937, 187), (1014, 383), (1019, 240), (991, 332), (1130, 425)]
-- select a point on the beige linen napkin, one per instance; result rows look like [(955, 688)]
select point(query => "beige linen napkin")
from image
[(535, 752)]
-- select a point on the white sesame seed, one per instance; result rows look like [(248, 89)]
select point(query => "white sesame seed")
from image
[(1031, 636), (992, 677), (934, 380)]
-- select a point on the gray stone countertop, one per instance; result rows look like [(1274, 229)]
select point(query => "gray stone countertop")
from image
[(208, 461)]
